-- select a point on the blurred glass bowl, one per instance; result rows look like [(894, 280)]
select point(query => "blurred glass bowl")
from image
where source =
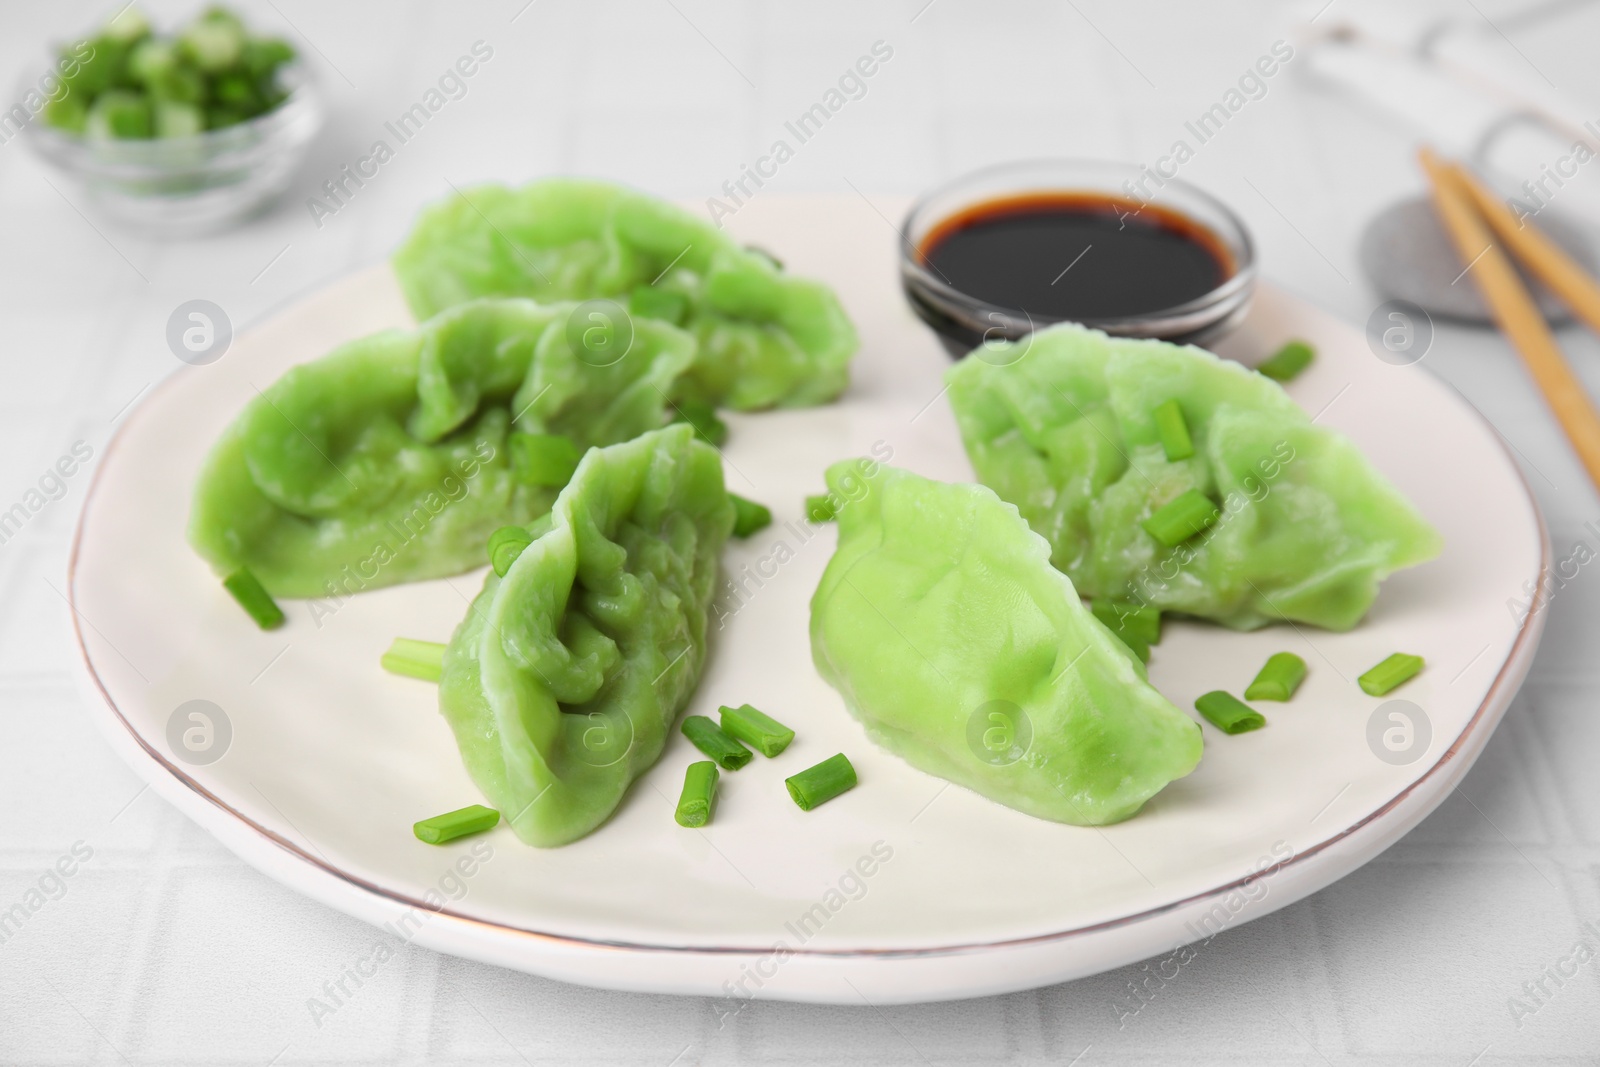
[(182, 186)]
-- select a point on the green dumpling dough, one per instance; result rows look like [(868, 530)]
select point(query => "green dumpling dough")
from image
[(963, 651), (765, 339), (566, 675), (1062, 425), (391, 458)]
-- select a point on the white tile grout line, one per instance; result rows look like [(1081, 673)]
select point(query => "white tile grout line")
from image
[(135, 965)]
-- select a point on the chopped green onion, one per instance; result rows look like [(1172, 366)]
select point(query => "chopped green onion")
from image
[(415, 659), (1173, 431), (1181, 518), (712, 431), (128, 82), (651, 303), (1392, 673), (473, 819), (1287, 362), (761, 732), (1228, 713), (174, 119), (254, 598), (127, 25), (505, 545), (820, 508), (543, 458), (1125, 617), (820, 784), (699, 792), (708, 737), (67, 113), (748, 516), (703, 417), (1282, 675), (1135, 645), (263, 55), (213, 44), (119, 113)]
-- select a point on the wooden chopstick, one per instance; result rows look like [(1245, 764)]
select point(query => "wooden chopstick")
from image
[(1514, 311), (1548, 261)]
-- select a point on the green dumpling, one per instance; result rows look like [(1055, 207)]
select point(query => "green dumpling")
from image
[(562, 682), (766, 339), (962, 650), (390, 459), (1062, 425)]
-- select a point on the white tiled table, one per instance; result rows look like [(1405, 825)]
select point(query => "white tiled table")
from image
[(166, 949)]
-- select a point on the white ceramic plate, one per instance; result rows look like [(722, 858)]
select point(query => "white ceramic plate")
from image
[(906, 889)]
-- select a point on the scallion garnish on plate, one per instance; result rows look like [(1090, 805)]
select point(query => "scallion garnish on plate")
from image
[(1173, 431), (1228, 713), (708, 737), (820, 784), (748, 516), (1392, 673), (760, 731), (473, 819), (1278, 679), (699, 794), (505, 545), (254, 598), (820, 509), (415, 659), (1181, 518), (1287, 362)]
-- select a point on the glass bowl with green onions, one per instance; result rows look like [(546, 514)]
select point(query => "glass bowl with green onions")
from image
[(170, 135)]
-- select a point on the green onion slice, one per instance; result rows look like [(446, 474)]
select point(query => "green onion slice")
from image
[(505, 545), (473, 819), (543, 458), (820, 508), (708, 737), (703, 417), (748, 516), (1282, 675), (1392, 673), (760, 731), (820, 784), (1287, 362), (1228, 713), (1136, 645), (415, 659), (254, 598), (1173, 431), (1124, 617), (699, 794), (1181, 518)]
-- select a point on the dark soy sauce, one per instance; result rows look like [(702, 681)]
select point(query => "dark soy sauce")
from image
[(1076, 256)]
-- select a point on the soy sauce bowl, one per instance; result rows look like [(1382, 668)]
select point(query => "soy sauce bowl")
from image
[(964, 321)]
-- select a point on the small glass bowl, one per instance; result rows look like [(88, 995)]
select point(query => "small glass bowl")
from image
[(183, 186), (963, 322)]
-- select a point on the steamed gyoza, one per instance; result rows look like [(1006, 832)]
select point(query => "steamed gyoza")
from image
[(1062, 424), (562, 683), (950, 636), (390, 460), (766, 339)]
